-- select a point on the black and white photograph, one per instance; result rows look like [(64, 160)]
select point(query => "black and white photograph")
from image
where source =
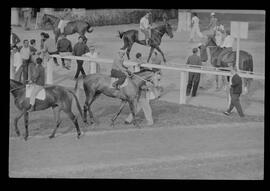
[(137, 93)]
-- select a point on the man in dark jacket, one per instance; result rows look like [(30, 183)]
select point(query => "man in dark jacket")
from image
[(235, 92), (79, 49), (193, 78), (64, 47)]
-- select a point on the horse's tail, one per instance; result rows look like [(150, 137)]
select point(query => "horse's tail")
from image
[(120, 34), (77, 103)]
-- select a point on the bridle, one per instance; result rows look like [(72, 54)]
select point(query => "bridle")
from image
[(16, 88)]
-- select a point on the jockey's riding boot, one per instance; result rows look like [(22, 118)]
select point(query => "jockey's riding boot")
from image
[(31, 108)]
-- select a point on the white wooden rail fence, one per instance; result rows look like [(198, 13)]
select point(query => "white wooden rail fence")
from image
[(183, 71)]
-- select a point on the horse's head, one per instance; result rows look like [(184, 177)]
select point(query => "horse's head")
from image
[(13, 84), (48, 19), (203, 52), (168, 29)]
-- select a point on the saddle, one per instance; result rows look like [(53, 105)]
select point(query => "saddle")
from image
[(113, 80), (41, 95), (229, 57)]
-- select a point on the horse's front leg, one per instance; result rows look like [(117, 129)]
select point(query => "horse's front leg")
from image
[(159, 50), (26, 119), (16, 122), (150, 53), (132, 107), (118, 113)]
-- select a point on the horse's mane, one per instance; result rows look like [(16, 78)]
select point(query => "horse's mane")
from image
[(144, 70)]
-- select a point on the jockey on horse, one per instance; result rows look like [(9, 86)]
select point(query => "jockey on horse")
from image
[(226, 47), (145, 27)]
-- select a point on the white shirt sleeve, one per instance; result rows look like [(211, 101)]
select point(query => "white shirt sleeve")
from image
[(144, 23)]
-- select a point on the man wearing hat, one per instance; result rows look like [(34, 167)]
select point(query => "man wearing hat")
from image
[(213, 23), (145, 27), (226, 45), (235, 92), (79, 49), (193, 78), (119, 70)]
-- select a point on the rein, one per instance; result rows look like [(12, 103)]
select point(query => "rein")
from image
[(16, 88), (140, 77)]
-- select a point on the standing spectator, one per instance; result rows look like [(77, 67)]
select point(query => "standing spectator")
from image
[(33, 57), (164, 17), (38, 81), (93, 65), (17, 63), (64, 48), (79, 49), (50, 47), (235, 92), (25, 55), (195, 29), (27, 17), (193, 78)]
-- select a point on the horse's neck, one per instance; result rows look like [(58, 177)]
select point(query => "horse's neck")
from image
[(160, 30), (139, 81), (55, 20)]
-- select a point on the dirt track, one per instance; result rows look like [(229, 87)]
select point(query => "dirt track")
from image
[(207, 151)]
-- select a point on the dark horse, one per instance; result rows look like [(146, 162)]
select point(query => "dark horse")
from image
[(57, 97), (157, 33), (245, 59), (72, 27), (96, 84)]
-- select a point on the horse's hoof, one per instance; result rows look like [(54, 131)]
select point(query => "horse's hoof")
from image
[(112, 125), (18, 133), (52, 136), (79, 135), (25, 138)]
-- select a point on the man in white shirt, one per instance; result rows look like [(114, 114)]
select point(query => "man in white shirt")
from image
[(195, 29), (145, 27), (226, 45), (94, 67)]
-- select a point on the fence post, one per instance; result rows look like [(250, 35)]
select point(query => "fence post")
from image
[(183, 86), (49, 75), (93, 67)]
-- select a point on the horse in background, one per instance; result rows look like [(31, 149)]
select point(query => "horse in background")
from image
[(132, 36), (245, 59), (77, 26)]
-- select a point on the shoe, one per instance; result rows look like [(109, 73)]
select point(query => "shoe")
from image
[(226, 113)]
